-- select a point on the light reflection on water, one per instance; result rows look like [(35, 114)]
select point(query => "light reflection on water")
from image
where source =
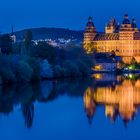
[(103, 107)]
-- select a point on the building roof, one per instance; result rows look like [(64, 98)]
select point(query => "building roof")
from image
[(106, 60), (126, 19), (112, 22), (90, 26), (104, 36)]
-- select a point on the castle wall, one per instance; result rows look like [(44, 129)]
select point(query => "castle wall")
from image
[(124, 48)]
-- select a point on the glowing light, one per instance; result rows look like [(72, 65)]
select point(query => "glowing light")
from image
[(98, 76), (98, 67), (131, 76)]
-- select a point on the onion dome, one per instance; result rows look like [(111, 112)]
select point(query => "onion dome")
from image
[(126, 19)]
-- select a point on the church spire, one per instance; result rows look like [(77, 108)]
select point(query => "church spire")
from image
[(12, 33)]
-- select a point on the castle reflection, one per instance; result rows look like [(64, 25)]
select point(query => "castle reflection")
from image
[(121, 98)]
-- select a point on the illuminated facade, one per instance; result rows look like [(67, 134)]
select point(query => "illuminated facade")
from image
[(123, 39)]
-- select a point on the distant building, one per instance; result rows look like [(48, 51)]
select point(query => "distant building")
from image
[(13, 36), (105, 62), (123, 39)]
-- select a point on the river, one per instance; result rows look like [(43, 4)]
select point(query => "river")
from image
[(104, 106)]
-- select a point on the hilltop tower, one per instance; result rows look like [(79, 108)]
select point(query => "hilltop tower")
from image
[(89, 35)]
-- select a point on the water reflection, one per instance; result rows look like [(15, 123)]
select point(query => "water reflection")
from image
[(121, 98), (120, 95)]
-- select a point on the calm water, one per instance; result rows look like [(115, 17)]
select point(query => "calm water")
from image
[(103, 107)]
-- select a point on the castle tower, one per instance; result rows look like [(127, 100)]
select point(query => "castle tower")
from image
[(134, 25), (89, 35), (126, 37), (126, 30), (111, 26)]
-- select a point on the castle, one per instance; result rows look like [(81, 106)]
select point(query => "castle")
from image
[(122, 39)]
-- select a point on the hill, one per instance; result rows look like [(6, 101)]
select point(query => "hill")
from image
[(51, 33)]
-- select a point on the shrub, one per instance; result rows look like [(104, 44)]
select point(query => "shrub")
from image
[(83, 68), (7, 76), (58, 71), (36, 67), (46, 70), (23, 72), (72, 68)]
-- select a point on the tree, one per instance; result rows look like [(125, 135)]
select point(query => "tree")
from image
[(46, 70), (36, 67), (72, 68), (28, 41), (8, 76), (44, 51), (5, 44), (23, 72)]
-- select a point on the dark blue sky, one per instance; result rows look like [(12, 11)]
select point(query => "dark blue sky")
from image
[(64, 13)]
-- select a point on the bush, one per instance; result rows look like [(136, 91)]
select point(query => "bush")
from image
[(36, 67), (46, 70), (44, 51), (72, 69), (83, 68), (7, 76), (23, 72), (58, 71)]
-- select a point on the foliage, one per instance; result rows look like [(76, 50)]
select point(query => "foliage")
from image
[(23, 72), (28, 38), (5, 44), (28, 42), (45, 61), (71, 68), (83, 68), (44, 51), (46, 70), (7, 76), (36, 67)]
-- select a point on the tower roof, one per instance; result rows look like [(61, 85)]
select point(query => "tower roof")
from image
[(126, 19), (112, 22), (90, 23), (134, 25), (90, 26)]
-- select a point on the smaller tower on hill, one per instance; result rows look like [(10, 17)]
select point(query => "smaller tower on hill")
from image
[(13, 37)]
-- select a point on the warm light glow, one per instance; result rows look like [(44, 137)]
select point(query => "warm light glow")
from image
[(97, 76), (125, 42), (123, 98), (98, 67)]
